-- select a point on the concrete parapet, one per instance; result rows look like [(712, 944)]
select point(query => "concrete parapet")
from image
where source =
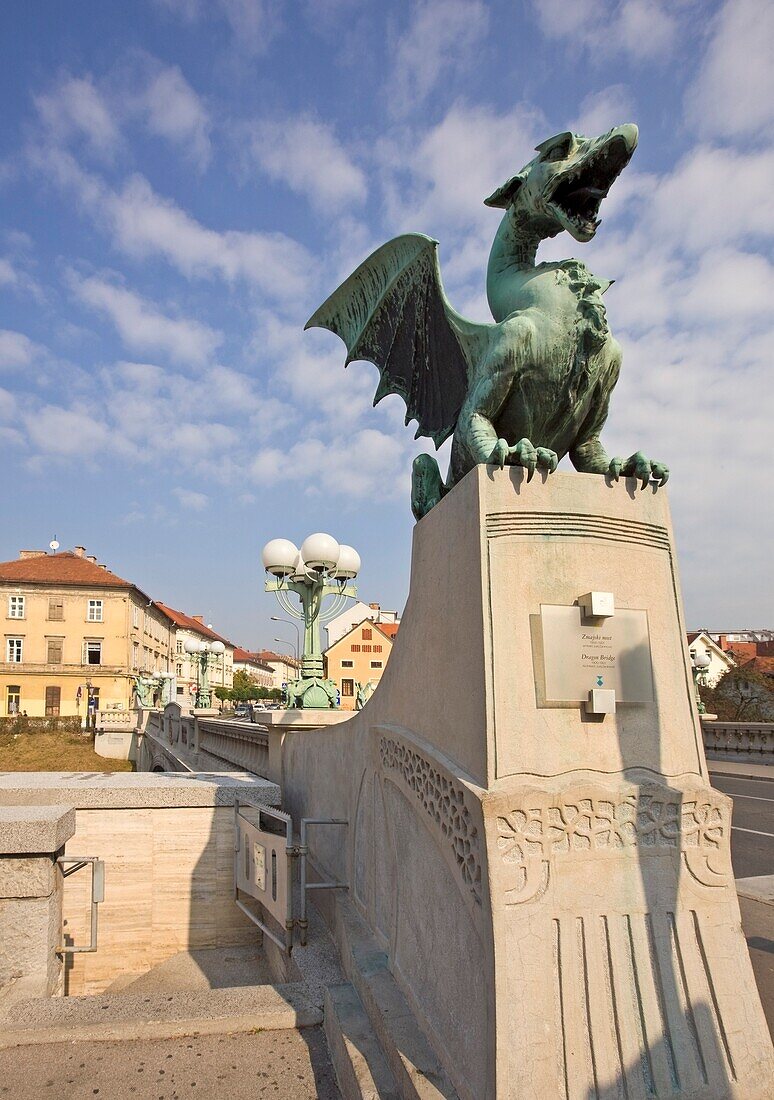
[(31, 839)]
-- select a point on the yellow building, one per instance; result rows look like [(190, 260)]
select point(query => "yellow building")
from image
[(73, 630), (359, 657)]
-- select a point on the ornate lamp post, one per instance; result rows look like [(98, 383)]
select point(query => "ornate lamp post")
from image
[(202, 652), (700, 662), (319, 569)]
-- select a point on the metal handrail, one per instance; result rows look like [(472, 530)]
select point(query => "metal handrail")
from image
[(97, 895)]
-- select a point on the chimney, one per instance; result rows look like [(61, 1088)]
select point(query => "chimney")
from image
[(198, 619), (92, 558), (102, 565), (31, 554), (79, 551), (374, 606)]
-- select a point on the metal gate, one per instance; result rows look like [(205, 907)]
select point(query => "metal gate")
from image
[(263, 869)]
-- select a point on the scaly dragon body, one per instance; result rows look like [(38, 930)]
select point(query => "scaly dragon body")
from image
[(535, 385)]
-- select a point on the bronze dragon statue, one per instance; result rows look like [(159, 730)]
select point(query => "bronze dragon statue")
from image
[(535, 385)]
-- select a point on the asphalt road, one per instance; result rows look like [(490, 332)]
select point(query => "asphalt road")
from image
[(752, 854), (752, 823)]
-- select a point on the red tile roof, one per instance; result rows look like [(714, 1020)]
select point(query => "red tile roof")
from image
[(187, 622), (244, 656), (761, 664), (66, 568), (390, 629), (269, 655)]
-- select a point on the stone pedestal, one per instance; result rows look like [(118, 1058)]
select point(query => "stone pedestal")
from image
[(31, 839), (553, 888)]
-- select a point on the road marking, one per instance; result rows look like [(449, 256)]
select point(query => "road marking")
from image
[(739, 829)]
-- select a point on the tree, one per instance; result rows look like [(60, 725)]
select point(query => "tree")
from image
[(741, 695), (245, 687)]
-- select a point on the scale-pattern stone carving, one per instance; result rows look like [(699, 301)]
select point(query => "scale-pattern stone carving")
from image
[(443, 799), (529, 836)]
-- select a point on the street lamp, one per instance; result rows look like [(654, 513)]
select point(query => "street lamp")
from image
[(202, 652), (700, 662), (279, 619), (321, 568), (291, 645)]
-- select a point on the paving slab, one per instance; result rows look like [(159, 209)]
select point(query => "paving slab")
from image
[(160, 1015), (759, 888), (282, 1065)]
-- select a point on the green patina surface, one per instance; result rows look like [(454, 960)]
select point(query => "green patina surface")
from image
[(535, 385)]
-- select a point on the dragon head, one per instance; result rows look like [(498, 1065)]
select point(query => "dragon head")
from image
[(563, 187)]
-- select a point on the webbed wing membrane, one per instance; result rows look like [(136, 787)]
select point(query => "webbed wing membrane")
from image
[(393, 312)]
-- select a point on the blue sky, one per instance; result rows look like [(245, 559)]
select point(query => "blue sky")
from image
[(184, 181)]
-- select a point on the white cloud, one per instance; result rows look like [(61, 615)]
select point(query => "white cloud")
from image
[(7, 405), (192, 500), (8, 274), (143, 223), (253, 23), (67, 432), (602, 110), (306, 155), (75, 108), (733, 94), (174, 111), (642, 29), (16, 349), (141, 325), (442, 37)]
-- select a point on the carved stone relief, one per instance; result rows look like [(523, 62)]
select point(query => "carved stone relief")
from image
[(443, 799)]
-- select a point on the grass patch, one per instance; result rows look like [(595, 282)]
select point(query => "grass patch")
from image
[(54, 752)]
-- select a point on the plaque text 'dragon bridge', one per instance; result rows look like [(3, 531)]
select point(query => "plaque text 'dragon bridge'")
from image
[(581, 654)]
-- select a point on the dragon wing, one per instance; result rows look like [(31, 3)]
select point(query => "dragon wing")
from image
[(393, 312)]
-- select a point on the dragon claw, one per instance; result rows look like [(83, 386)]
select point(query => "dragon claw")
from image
[(616, 465), (641, 467), (547, 459), (500, 453), (524, 454)]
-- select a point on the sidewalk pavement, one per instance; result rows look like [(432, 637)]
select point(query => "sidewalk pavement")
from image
[(740, 769)]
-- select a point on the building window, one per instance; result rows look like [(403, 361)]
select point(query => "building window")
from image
[(179, 645), (367, 634), (56, 608), (94, 612), (136, 618), (347, 664), (12, 699), (366, 649), (53, 700), (54, 651), (16, 607), (376, 664), (354, 649), (92, 653), (348, 687), (135, 654), (377, 649), (14, 649), (179, 668)]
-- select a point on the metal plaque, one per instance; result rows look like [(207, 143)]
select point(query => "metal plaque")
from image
[(580, 655), (259, 860)]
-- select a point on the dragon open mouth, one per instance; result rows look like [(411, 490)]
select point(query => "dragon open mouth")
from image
[(579, 194)]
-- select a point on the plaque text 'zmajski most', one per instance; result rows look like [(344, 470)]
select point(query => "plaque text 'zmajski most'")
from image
[(580, 655)]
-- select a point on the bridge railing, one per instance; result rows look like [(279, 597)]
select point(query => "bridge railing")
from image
[(749, 739), (203, 741)]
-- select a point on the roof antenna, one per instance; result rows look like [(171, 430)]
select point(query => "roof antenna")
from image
[(53, 545)]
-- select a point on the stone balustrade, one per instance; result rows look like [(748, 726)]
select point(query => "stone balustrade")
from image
[(749, 739)]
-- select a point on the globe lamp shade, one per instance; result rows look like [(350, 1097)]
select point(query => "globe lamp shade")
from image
[(217, 647), (320, 552), (702, 660), (279, 557), (348, 565), (191, 645)]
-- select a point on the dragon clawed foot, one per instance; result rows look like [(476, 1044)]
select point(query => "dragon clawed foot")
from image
[(524, 454), (641, 467)]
